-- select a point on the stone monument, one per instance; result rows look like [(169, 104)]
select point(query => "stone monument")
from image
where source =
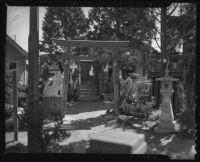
[(117, 142), (166, 123)]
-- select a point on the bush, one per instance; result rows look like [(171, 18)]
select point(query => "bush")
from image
[(186, 120), (17, 148), (55, 134), (56, 148), (138, 109), (137, 90)]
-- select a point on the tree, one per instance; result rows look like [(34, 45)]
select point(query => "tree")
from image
[(132, 24), (35, 112), (182, 27), (177, 27), (190, 75), (62, 23)]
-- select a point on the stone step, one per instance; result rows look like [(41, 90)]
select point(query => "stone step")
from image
[(88, 98), (88, 87), (88, 95), (88, 90)]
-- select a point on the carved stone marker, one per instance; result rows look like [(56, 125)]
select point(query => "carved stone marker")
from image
[(117, 142), (166, 123)]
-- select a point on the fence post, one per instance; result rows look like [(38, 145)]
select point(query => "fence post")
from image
[(15, 105)]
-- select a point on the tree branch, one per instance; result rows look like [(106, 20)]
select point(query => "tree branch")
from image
[(156, 41), (154, 15), (181, 37), (169, 32), (173, 10), (157, 31)]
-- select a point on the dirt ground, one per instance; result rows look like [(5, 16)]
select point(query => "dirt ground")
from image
[(86, 119)]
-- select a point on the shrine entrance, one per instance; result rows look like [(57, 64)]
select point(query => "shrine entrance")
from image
[(87, 71), (88, 87), (87, 66)]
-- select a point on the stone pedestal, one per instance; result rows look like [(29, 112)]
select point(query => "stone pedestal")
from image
[(117, 142), (166, 123)]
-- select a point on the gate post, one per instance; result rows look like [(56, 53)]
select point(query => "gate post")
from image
[(115, 83), (65, 81)]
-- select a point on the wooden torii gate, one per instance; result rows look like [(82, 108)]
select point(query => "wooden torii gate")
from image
[(114, 45)]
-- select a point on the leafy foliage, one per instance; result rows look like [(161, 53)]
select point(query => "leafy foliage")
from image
[(132, 24), (128, 23), (135, 89), (8, 88), (56, 148), (55, 134), (17, 148), (62, 23), (181, 26), (186, 120), (132, 101), (189, 85), (139, 110), (189, 81)]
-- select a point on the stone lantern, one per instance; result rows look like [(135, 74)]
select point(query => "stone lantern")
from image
[(166, 123)]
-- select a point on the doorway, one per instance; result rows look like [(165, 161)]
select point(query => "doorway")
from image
[(87, 73)]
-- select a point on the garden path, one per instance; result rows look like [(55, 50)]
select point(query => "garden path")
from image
[(84, 119)]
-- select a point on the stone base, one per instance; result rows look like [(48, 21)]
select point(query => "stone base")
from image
[(117, 142), (166, 127)]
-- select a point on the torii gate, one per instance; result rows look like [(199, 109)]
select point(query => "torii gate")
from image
[(67, 44)]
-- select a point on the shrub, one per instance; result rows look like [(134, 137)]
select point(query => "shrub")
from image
[(55, 134), (138, 90), (138, 109), (56, 148), (17, 148), (125, 108), (186, 120)]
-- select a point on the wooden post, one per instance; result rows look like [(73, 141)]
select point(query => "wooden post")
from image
[(15, 104), (115, 82), (163, 37), (34, 122), (65, 80)]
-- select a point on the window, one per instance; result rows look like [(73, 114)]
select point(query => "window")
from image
[(12, 65)]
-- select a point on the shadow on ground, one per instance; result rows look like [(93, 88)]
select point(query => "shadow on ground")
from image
[(174, 145), (84, 106), (86, 124)]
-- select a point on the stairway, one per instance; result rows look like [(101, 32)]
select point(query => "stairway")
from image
[(88, 91)]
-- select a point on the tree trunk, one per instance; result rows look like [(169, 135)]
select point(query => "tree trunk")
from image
[(163, 37), (34, 109)]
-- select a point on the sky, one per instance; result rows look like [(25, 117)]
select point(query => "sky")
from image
[(18, 24)]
